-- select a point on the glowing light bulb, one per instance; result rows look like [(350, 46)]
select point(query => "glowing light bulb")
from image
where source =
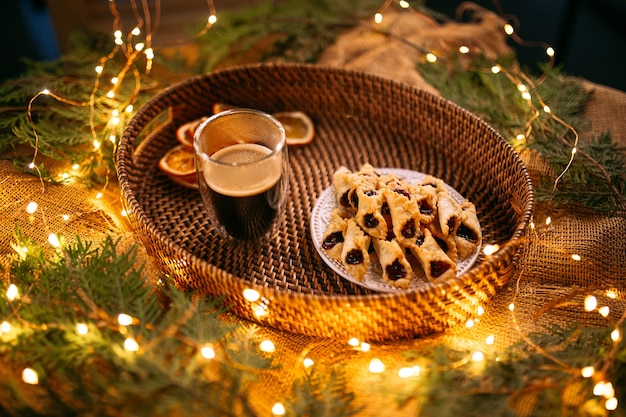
[(404, 4), (496, 69), (31, 165), (278, 409), (464, 49), (212, 19), (65, 217), (251, 295), (522, 87), (616, 335), (576, 257), (611, 294), (54, 241), (526, 95), (129, 108), (547, 109), (550, 51), (490, 340), (207, 351), (365, 347), (548, 220), (99, 195), (405, 372), (136, 31), (478, 356), (480, 310), (82, 328), (430, 57), (512, 307), (112, 139), (5, 327), (308, 362), (520, 137), (469, 323), (124, 319), (611, 404), (267, 346), (99, 69), (508, 29), (376, 366), (13, 293), (117, 33), (139, 46), (31, 207), (96, 144), (115, 80), (490, 249), (149, 53), (29, 376), (591, 303), (587, 371), (604, 311), (354, 342), (378, 18), (119, 41), (131, 345), (111, 94)]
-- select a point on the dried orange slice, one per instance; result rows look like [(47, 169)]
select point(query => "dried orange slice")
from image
[(299, 128), (179, 165), (185, 132)]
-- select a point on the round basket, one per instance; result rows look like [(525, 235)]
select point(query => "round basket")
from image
[(358, 118)]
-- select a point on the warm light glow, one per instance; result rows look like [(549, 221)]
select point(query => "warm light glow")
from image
[(139, 46), (5, 327), (469, 323), (611, 294), (65, 217), (404, 4), (99, 195), (576, 257), (129, 108), (31, 207), (550, 51), (490, 340), (124, 319), (378, 18), (308, 362), (96, 144), (53, 239), (354, 342), (111, 94), (376, 366), (114, 80), (136, 31), (508, 29), (604, 311), (547, 109), (464, 49), (251, 295), (478, 356), (480, 310), (13, 293), (604, 389), (496, 69), (405, 372), (112, 138), (278, 409), (489, 250), (430, 57), (611, 404), (520, 137), (99, 69), (207, 351), (29, 376), (131, 344), (212, 19), (365, 347), (522, 87), (149, 53), (82, 328), (591, 302), (548, 220), (587, 371), (267, 346), (616, 335), (512, 307), (526, 95)]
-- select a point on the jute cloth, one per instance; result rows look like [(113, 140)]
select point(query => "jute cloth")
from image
[(549, 286)]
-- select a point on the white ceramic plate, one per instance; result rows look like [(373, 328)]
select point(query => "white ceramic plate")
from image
[(373, 279)]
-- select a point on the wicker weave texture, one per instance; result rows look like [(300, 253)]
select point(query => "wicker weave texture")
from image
[(358, 118)]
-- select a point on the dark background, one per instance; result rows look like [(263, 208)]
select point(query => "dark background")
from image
[(589, 36)]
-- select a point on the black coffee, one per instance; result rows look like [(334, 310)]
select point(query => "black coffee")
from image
[(246, 212)]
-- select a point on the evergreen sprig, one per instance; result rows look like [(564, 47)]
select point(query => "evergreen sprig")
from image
[(596, 178)]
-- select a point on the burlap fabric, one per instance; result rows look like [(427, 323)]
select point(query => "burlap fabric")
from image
[(549, 287)]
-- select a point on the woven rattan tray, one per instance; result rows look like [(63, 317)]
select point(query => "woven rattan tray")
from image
[(358, 118)]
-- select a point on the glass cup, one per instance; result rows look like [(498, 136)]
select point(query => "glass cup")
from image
[(242, 168)]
